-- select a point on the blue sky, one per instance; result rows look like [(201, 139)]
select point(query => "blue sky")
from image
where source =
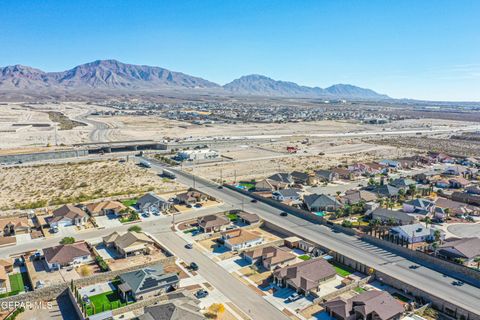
[(414, 49)]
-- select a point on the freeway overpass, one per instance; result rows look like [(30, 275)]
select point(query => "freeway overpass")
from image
[(461, 302)]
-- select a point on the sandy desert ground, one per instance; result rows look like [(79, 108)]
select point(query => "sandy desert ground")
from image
[(42, 185), (28, 126)]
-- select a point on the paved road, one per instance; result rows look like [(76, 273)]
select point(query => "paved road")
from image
[(251, 303), (425, 279)]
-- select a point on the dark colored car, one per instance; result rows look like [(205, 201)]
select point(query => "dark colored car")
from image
[(254, 201), (283, 214), (189, 246), (201, 293), (220, 187), (198, 205), (194, 266)]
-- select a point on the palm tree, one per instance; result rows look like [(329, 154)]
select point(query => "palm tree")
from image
[(427, 222), (412, 189), (437, 235)]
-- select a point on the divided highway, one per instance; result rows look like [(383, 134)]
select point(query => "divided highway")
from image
[(428, 280)]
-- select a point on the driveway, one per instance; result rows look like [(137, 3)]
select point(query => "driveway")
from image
[(278, 300), (234, 264), (107, 221)]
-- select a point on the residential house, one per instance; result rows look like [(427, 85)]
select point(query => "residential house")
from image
[(459, 182), (238, 239), (175, 310), (105, 208), (150, 202), (356, 196), (14, 225), (372, 305), (287, 194), (270, 257), (129, 243), (456, 207), (415, 233), (473, 189), (455, 171), (283, 179), (386, 191), (191, 197), (306, 276), (6, 266), (146, 283), (419, 206), (422, 178), (442, 183), (67, 254), (68, 215), (267, 185), (403, 183), (390, 163), (343, 173), (376, 168), (248, 218), (321, 202), (467, 249), (397, 217), (300, 177), (469, 198), (326, 175), (212, 223)]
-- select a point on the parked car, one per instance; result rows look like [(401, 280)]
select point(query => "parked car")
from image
[(220, 187), (294, 297), (194, 266), (189, 205), (146, 214), (201, 293), (189, 246), (254, 201), (198, 205), (283, 214), (54, 229)]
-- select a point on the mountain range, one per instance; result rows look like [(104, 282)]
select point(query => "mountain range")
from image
[(108, 75)]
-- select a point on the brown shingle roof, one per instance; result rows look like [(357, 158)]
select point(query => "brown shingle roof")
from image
[(380, 302), (68, 211), (306, 274), (64, 254), (212, 221), (468, 247), (238, 236), (105, 205), (249, 217), (271, 255)]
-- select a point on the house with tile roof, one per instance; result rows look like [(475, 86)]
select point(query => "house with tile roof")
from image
[(129, 243), (467, 249), (146, 283), (103, 208), (66, 255), (238, 239), (306, 276), (14, 225), (68, 215), (321, 202), (379, 305), (270, 257), (175, 310), (212, 223)]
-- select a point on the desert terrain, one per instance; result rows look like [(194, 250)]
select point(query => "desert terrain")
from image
[(23, 187)]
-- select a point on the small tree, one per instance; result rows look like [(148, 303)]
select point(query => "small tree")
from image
[(135, 229), (477, 260), (216, 310), (85, 271), (67, 240)]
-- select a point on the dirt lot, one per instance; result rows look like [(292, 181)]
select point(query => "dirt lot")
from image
[(256, 162), (42, 185), (119, 264)]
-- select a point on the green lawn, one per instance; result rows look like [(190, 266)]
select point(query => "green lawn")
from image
[(304, 257), (247, 185), (17, 282), (359, 290), (232, 216), (104, 302), (342, 271), (129, 202)]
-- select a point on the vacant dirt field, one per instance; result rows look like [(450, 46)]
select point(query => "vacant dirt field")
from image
[(42, 185)]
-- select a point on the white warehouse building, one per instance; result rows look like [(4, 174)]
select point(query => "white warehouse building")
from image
[(200, 154)]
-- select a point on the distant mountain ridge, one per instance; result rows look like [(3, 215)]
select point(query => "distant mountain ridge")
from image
[(115, 75)]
